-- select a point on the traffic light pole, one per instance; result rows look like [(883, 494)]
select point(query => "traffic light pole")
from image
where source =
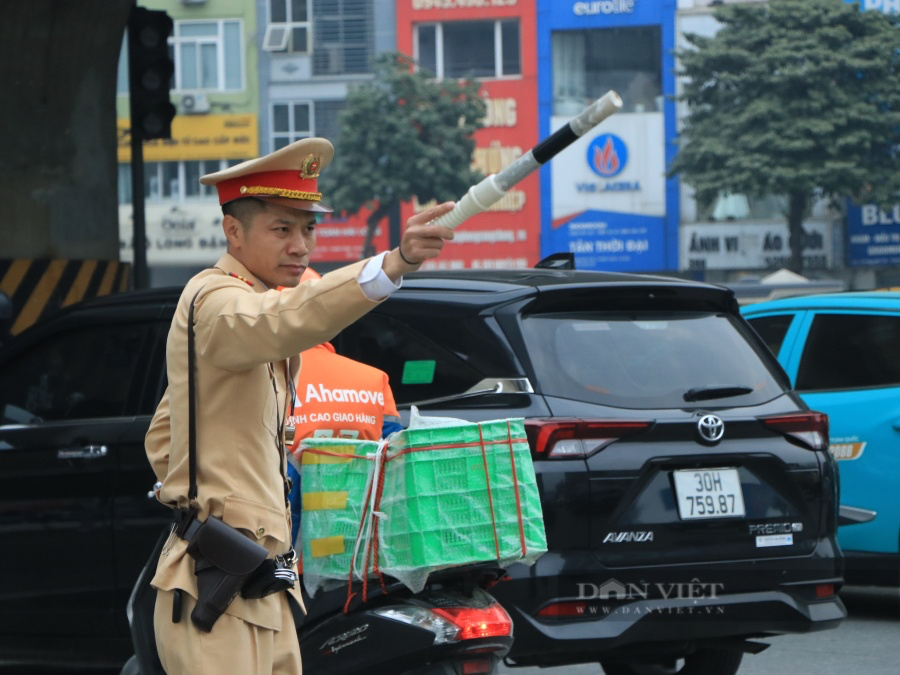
[(139, 228), (150, 71)]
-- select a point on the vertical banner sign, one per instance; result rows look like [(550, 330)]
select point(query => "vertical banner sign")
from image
[(607, 200), (507, 234)]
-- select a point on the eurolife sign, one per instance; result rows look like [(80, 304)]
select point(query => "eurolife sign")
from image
[(603, 7)]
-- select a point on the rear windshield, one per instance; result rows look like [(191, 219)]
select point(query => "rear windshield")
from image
[(647, 360)]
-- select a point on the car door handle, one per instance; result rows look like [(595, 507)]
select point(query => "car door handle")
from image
[(87, 452), (896, 424)]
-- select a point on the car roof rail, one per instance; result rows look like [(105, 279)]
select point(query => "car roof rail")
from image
[(558, 261)]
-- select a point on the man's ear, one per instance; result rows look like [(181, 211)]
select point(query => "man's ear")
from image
[(234, 231)]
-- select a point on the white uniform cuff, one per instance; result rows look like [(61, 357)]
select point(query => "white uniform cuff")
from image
[(375, 284)]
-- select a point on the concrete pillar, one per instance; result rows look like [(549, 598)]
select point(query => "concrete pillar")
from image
[(58, 64)]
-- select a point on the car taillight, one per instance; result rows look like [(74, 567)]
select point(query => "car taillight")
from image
[(808, 428), (473, 623), (573, 438)]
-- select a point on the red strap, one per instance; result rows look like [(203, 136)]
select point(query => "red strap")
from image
[(512, 459), (487, 477), (362, 521)]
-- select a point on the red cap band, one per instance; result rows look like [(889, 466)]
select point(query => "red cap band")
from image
[(287, 184)]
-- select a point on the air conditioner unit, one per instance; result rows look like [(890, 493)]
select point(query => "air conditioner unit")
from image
[(194, 104)]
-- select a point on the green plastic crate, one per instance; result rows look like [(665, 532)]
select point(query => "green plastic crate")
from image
[(444, 509), (440, 507), (328, 533)]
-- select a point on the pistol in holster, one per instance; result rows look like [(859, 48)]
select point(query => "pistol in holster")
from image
[(224, 560), (228, 563)]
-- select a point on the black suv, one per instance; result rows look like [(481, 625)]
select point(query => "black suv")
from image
[(689, 497)]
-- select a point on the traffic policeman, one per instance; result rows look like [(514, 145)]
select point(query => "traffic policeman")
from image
[(244, 334)]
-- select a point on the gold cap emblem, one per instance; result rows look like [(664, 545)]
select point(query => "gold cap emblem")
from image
[(310, 167)]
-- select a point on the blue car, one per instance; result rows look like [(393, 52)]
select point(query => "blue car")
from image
[(842, 353)]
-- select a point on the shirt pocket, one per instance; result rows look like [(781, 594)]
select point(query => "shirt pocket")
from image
[(257, 519)]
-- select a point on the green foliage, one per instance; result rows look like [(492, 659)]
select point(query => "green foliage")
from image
[(797, 97), (402, 135)]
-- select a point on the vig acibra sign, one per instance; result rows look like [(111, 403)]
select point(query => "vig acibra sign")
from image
[(609, 195), (874, 235)]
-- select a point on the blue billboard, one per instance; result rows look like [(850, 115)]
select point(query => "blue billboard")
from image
[(873, 235), (606, 198)]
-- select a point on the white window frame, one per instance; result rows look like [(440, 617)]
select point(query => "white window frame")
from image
[(293, 134), (285, 43), (498, 48), (177, 41)]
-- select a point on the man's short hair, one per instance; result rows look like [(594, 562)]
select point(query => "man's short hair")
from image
[(244, 209)]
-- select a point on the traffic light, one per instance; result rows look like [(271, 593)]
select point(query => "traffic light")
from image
[(150, 73)]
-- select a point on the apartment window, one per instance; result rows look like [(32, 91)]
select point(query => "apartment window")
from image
[(344, 36), (486, 49), (588, 63), (288, 29), (290, 122), (173, 181), (208, 55)]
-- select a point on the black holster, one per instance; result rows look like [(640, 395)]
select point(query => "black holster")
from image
[(225, 559)]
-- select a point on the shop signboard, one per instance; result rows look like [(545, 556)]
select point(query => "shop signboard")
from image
[(197, 137), (753, 245), (873, 234)]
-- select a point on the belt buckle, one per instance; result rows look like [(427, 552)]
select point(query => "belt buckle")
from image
[(287, 559)]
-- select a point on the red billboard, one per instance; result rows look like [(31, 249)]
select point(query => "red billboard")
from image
[(494, 40)]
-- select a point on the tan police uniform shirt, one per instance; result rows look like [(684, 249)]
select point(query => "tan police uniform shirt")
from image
[(244, 339)]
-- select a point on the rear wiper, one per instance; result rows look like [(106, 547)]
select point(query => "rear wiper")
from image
[(490, 385), (716, 391)]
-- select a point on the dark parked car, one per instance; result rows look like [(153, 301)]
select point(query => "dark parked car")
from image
[(689, 496)]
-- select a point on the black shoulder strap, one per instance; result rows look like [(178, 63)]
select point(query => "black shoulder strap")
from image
[(192, 408)]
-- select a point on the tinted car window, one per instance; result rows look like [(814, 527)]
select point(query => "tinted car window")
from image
[(772, 329), (419, 368), (850, 351), (644, 359), (83, 373)]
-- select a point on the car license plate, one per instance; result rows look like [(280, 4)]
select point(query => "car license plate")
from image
[(708, 493)]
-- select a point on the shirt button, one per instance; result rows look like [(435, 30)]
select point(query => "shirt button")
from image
[(260, 532)]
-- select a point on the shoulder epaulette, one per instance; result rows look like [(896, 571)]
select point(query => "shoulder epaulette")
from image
[(238, 276)]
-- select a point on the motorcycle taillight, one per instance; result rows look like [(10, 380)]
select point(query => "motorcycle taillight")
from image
[(558, 438), (809, 429), (473, 623)]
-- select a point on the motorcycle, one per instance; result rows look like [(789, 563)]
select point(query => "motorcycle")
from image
[(452, 627)]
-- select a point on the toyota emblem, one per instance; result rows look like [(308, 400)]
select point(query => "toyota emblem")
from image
[(711, 428)]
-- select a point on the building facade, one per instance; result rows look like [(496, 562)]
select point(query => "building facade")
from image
[(215, 90), (254, 75)]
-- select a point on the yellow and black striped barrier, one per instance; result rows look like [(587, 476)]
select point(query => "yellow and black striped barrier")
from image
[(38, 287)]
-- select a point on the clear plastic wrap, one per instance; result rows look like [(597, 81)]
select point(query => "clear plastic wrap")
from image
[(441, 493)]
